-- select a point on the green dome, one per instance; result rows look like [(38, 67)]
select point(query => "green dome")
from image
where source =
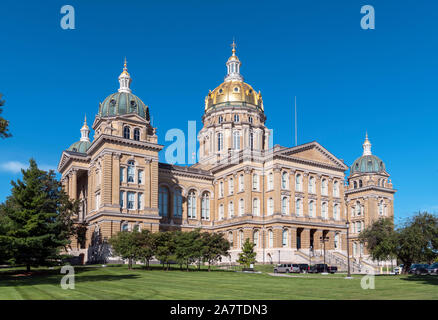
[(368, 164), (80, 146), (122, 103)]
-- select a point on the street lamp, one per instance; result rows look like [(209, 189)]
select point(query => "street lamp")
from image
[(323, 240), (348, 249)]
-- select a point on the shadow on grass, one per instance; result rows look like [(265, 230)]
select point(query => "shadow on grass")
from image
[(424, 279)]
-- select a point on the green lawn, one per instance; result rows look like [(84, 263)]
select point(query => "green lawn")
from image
[(117, 282)]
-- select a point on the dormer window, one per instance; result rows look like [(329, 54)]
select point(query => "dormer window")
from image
[(126, 133), (137, 134), (250, 119), (221, 119), (236, 118)]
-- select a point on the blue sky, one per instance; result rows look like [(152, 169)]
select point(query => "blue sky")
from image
[(347, 80)]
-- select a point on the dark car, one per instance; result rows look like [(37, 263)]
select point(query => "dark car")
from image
[(304, 267), (332, 269), (433, 269), (419, 269), (318, 268)]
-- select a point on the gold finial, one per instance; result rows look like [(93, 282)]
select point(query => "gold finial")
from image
[(124, 65), (234, 47)]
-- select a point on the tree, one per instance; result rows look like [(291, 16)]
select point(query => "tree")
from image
[(214, 245), (3, 122), (380, 239), (146, 246), (39, 218), (416, 240), (165, 247), (247, 256), (125, 245)]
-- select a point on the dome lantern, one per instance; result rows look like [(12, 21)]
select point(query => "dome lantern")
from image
[(233, 66), (85, 131), (125, 79), (367, 146)]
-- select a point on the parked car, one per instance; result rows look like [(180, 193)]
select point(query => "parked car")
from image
[(433, 268), (318, 268), (398, 270), (287, 268), (304, 267), (332, 269), (418, 269)]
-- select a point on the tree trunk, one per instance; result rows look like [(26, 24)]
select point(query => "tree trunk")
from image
[(208, 265), (28, 267)]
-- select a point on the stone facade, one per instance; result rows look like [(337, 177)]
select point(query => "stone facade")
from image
[(286, 200)]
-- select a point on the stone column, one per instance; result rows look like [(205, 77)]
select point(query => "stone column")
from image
[(277, 190), (293, 237), (154, 184), (147, 183), (248, 191), (116, 180), (317, 239), (305, 238), (306, 194), (74, 186), (106, 184)]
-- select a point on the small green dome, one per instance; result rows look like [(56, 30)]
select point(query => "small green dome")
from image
[(122, 103), (80, 146), (368, 164)]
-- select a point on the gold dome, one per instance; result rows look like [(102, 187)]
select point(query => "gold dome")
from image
[(234, 91)]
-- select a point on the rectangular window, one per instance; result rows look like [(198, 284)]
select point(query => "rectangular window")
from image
[(140, 201), (231, 186), (122, 174), (131, 199), (241, 183), (140, 176), (122, 199)]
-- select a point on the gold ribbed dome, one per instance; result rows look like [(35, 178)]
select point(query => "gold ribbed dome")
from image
[(233, 91)]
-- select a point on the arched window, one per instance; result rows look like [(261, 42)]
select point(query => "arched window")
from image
[(255, 207), (311, 208), (241, 183), (231, 209), (221, 119), (131, 200), (250, 119), (360, 183), (381, 207), (336, 189), (270, 181), (355, 185), (298, 206), (354, 249), (312, 185), (177, 203), (140, 176), (336, 211), (271, 238), (220, 141), (122, 199), (230, 239), (324, 210), (336, 241), (124, 227), (131, 171), (191, 204), (122, 174), (298, 182), (324, 187), (236, 140), (221, 212), (236, 118), (358, 227), (256, 238), (241, 207), (126, 133), (221, 189), (251, 140), (284, 179), (284, 205), (140, 201), (230, 186), (241, 239), (255, 182), (137, 134), (205, 206), (270, 206), (358, 208), (163, 201), (284, 238)]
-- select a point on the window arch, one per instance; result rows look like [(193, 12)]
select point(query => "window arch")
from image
[(284, 205), (191, 205), (126, 132), (284, 178), (163, 201), (205, 206), (270, 206), (137, 134), (177, 203)]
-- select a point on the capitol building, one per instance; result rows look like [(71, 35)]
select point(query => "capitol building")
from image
[(292, 202)]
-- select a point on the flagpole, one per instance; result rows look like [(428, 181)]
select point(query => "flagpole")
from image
[(296, 137)]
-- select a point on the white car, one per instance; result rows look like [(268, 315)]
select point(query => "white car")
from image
[(397, 270)]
